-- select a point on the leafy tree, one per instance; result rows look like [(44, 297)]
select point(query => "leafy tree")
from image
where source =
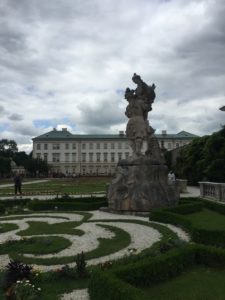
[(203, 159), (8, 147), (5, 167)]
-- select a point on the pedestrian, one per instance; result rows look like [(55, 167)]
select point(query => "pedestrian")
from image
[(18, 184), (171, 178)]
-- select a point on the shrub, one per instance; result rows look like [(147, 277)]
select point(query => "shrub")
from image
[(16, 271), (50, 204), (24, 290), (2, 209), (81, 265), (104, 285)]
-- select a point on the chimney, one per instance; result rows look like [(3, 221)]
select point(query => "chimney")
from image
[(54, 129), (64, 129), (164, 132)]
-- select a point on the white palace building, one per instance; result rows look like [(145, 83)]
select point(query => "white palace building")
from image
[(93, 154)]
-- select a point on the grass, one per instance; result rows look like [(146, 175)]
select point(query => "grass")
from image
[(207, 219), (38, 228), (80, 185), (195, 284), (106, 246), (35, 245), (5, 227)]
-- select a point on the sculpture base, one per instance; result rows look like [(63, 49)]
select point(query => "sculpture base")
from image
[(140, 185)]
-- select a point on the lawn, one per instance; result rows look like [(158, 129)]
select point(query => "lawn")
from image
[(82, 185), (200, 283), (207, 219)]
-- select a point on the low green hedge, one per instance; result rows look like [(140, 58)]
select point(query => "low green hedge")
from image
[(150, 271), (13, 202), (123, 282), (37, 205), (105, 285), (220, 208), (175, 216), (2, 209)]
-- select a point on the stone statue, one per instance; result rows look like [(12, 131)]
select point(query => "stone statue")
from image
[(141, 180)]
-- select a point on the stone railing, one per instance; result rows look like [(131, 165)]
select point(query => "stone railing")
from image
[(181, 185), (213, 190)]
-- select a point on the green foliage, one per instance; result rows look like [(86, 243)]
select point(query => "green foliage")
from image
[(203, 159), (81, 265), (16, 271), (105, 285), (204, 227), (5, 167), (25, 290), (77, 204), (2, 209), (8, 146)]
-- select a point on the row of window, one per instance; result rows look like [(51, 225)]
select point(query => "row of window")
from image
[(68, 146), (90, 157)]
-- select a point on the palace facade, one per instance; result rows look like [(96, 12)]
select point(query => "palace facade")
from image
[(97, 154)]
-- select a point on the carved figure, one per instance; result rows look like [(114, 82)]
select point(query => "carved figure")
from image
[(139, 104)]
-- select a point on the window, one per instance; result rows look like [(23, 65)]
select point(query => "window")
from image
[(177, 145), (73, 157), (46, 156), (83, 146), (90, 157), (67, 157), (112, 146), (112, 157), (83, 157), (169, 145), (126, 155), (98, 146), (91, 146), (67, 146), (74, 146), (55, 157), (38, 146), (119, 145), (105, 146), (105, 157), (56, 146), (98, 156), (45, 146), (127, 146), (120, 155), (162, 144), (38, 155)]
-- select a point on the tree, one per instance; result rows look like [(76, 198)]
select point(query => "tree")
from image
[(36, 166), (8, 147), (5, 167), (203, 159)]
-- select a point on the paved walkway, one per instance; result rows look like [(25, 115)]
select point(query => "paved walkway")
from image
[(192, 191), (24, 183)]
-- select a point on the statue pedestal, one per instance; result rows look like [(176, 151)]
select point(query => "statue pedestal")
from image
[(140, 185)]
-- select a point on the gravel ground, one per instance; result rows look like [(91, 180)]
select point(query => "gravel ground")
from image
[(141, 237)]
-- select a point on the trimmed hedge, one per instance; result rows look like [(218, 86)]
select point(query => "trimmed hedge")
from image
[(157, 269), (37, 205), (220, 208), (122, 282), (105, 285), (13, 202), (199, 235), (2, 209)]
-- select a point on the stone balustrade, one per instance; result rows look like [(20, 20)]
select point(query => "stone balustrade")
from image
[(212, 190)]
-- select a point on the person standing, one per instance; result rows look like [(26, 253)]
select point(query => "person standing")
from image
[(171, 178), (18, 184)]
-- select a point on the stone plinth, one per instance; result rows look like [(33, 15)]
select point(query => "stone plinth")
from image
[(141, 185)]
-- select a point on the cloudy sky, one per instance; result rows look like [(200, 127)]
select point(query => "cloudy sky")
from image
[(66, 63)]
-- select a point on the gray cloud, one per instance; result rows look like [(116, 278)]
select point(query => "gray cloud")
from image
[(15, 117), (67, 59)]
